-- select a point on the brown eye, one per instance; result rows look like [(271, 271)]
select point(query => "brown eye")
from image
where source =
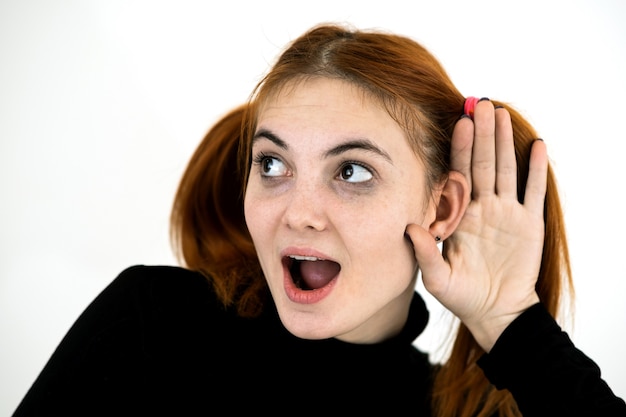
[(272, 167), (352, 172), (346, 172)]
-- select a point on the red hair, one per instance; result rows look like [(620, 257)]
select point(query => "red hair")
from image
[(208, 225)]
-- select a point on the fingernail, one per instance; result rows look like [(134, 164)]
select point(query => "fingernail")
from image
[(498, 107), (463, 116), (484, 99), (539, 139)]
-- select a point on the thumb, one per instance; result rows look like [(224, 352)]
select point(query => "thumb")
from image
[(427, 253)]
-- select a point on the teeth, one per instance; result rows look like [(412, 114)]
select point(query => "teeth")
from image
[(304, 258)]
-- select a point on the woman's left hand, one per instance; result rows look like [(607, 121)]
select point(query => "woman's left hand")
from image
[(487, 269)]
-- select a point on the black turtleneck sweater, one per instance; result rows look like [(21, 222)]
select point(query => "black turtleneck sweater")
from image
[(157, 341)]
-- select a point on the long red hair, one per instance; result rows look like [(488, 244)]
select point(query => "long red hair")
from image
[(208, 226)]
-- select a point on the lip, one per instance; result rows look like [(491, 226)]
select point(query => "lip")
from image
[(298, 295)]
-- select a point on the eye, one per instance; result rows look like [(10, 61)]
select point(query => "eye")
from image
[(270, 166), (352, 172)]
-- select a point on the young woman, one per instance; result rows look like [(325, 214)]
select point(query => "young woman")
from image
[(304, 219)]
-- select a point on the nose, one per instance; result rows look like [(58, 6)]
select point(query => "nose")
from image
[(305, 208)]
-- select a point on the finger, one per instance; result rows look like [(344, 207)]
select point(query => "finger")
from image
[(506, 165), (461, 148), (431, 263), (536, 185), (483, 151)]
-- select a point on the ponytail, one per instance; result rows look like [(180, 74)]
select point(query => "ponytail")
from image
[(207, 224)]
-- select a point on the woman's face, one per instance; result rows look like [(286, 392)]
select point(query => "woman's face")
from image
[(332, 187)]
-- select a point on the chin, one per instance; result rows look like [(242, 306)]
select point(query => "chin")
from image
[(307, 325)]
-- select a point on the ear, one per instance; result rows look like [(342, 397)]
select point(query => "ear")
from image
[(454, 198)]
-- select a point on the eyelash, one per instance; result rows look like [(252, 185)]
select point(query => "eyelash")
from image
[(357, 163), (259, 158)]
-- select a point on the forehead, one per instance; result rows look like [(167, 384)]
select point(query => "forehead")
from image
[(313, 117), (326, 104)]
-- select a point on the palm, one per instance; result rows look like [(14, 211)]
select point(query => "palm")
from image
[(488, 267), (493, 256)]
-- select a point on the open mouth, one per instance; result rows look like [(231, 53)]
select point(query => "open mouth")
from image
[(309, 272)]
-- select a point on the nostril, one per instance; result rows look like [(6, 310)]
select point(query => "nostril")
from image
[(305, 220)]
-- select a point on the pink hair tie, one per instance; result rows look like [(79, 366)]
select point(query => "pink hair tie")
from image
[(468, 107)]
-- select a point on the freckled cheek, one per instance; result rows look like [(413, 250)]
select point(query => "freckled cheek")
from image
[(381, 228), (256, 218), (261, 230), (377, 249), (390, 240), (418, 210)]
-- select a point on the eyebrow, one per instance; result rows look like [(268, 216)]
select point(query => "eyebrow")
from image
[(359, 144), (362, 144), (264, 133)]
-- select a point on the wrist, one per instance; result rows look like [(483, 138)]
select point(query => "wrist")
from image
[(487, 330)]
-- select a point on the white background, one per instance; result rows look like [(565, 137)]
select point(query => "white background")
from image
[(103, 102)]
